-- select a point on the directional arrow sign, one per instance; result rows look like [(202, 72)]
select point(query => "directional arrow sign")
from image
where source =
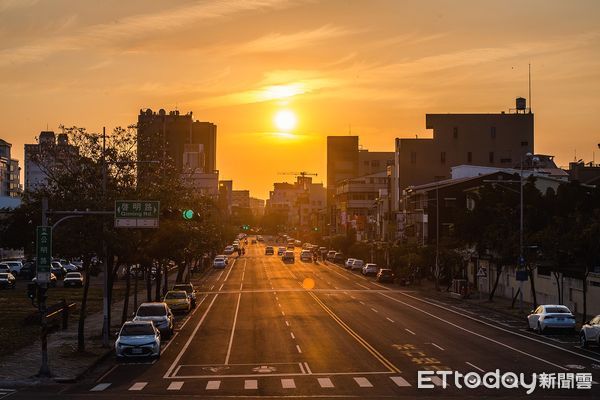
[(137, 213)]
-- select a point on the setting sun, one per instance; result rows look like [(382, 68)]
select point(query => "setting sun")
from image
[(285, 120)]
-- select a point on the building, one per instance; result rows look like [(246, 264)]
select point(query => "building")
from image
[(51, 151), (257, 206), (587, 174), (240, 198), (299, 203), (10, 172), (225, 196), (190, 144), (373, 162)]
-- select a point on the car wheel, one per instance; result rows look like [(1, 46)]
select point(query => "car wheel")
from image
[(540, 330), (583, 341)]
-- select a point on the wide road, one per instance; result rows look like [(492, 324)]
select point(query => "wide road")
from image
[(263, 328)]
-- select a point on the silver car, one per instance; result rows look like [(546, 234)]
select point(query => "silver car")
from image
[(551, 316), (158, 313), (370, 269), (590, 332), (138, 339)]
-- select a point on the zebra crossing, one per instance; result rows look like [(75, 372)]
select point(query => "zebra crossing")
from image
[(285, 383)]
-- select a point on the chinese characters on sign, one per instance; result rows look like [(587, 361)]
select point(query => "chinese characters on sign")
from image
[(43, 253), (136, 214)]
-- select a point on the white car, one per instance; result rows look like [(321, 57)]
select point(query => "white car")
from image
[(74, 279), (349, 262), (551, 316), (229, 250), (13, 266), (219, 262), (138, 339), (370, 269), (590, 332), (357, 264)]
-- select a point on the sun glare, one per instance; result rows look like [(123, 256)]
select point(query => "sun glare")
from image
[(285, 120)]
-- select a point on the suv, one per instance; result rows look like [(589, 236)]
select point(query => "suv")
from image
[(338, 258), (269, 251), (385, 275), (159, 313), (189, 289), (357, 264), (370, 269), (288, 256)]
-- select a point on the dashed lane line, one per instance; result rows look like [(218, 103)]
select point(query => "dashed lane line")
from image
[(409, 331), (177, 385), (389, 319), (138, 386), (363, 382), (439, 347), (250, 384), (100, 387), (299, 349), (288, 384), (475, 366), (213, 385), (325, 382), (400, 381)]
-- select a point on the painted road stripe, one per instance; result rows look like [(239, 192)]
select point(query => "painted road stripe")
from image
[(325, 382), (374, 310), (307, 368), (389, 319), (292, 335), (138, 386), (439, 347), (363, 382), (237, 309), (474, 366), (409, 331), (175, 385), (287, 323), (288, 384), (299, 349), (213, 385), (100, 387), (250, 384), (400, 381)]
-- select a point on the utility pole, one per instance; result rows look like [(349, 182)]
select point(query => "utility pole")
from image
[(437, 236), (105, 327), (41, 293), (521, 259)]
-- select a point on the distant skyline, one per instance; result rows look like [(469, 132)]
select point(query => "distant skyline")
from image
[(278, 77)]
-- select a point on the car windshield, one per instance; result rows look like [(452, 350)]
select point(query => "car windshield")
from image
[(176, 295), (137, 330), (151, 310), (187, 288), (557, 310)]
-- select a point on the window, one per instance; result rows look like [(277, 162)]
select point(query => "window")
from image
[(493, 132), (505, 160), (413, 157), (523, 144), (455, 132), (469, 157), (443, 157), (491, 157)]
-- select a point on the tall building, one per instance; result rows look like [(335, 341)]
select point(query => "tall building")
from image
[(240, 198), (51, 151), (257, 206), (299, 202), (10, 172)]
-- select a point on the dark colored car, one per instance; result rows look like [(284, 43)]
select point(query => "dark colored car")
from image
[(7, 280), (269, 251), (385, 275), (339, 258), (28, 270)]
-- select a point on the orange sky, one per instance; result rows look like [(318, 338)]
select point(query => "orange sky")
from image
[(377, 66)]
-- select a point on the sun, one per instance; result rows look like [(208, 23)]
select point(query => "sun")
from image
[(285, 120)]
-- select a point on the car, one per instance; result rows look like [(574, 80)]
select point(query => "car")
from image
[(551, 316), (178, 300), (357, 264), (269, 251), (385, 275), (590, 332), (219, 262), (235, 246), (228, 250), (349, 262), (288, 256), (138, 339), (7, 280), (73, 279), (28, 271), (69, 267), (78, 264), (159, 313), (189, 289), (370, 269), (306, 255), (57, 269), (338, 258), (331, 255), (14, 266), (280, 251), (253, 241), (260, 238), (52, 282)]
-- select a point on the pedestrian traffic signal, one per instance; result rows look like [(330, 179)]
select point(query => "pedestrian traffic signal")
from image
[(187, 214)]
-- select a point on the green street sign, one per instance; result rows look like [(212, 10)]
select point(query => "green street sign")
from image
[(43, 253), (137, 213)]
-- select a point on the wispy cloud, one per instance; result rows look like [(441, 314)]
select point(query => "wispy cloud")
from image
[(6, 5)]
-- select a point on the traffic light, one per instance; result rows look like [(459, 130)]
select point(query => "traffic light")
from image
[(187, 214), (245, 227)]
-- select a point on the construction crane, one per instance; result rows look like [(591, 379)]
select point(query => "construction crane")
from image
[(301, 173)]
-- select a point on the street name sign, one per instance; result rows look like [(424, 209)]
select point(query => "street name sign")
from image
[(137, 213), (43, 253)]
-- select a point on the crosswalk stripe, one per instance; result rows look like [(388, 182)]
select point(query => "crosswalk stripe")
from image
[(325, 382), (363, 382), (400, 381), (288, 384), (213, 385), (138, 386), (250, 384), (175, 385), (100, 387)]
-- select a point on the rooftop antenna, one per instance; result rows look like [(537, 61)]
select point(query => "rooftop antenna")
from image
[(529, 88)]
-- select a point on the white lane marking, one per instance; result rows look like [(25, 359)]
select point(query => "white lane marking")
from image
[(389, 319), (241, 286), (437, 381), (302, 368), (353, 297), (287, 323), (107, 372), (346, 293), (192, 336), (250, 384), (299, 349), (374, 310), (292, 335), (439, 347), (288, 384), (219, 277), (475, 366), (362, 302), (409, 331), (100, 387), (230, 269), (212, 287), (400, 381), (307, 368), (237, 309), (282, 313), (480, 335), (213, 385), (363, 382), (276, 297), (363, 286), (221, 287), (325, 382), (138, 386), (177, 385), (279, 305)]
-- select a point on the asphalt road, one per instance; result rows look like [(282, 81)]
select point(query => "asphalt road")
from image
[(263, 328)]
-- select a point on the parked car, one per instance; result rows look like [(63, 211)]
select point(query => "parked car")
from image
[(159, 313), (306, 255), (219, 262), (260, 238), (269, 251), (189, 289), (357, 264), (28, 270), (73, 279), (7, 280), (338, 258), (228, 250), (138, 339), (370, 269), (331, 255), (590, 332), (14, 266), (551, 316), (78, 264), (52, 282), (349, 262), (178, 300), (385, 275), (57, 269), (288, 257), (70, 267), (280, 251)]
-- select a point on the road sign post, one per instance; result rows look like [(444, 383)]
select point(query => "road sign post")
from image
[(43, 253), (137, 214)]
